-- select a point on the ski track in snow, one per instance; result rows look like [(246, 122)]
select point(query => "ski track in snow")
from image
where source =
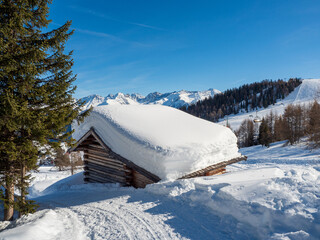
[(114, 218)]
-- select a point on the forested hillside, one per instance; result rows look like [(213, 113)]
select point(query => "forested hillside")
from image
[(245, 98)]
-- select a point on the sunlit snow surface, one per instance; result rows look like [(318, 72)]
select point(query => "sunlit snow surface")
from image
[(274, 195), (165, 141)]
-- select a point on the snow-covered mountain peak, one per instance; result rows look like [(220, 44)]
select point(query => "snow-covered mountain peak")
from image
[(175, 99), (92, 100)]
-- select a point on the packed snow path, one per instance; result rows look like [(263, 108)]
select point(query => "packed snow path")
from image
[(274, 195), (114, 217), (109, 212)]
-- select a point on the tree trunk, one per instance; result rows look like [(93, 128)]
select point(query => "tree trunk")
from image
[(9, 198), (72, 169), (22, 190)]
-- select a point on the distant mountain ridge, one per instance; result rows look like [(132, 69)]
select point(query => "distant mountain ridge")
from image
[(176, 99), (304, 94)]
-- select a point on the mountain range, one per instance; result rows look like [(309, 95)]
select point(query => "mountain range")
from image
[(174, 99)]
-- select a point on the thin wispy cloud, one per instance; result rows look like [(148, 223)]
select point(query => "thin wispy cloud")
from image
[(100, 34), (101, 15), (105, 35)]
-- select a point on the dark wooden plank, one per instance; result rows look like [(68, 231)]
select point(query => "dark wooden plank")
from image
[(120, 172), (106, 167), (97, 145), (104, 163), (98, 151), (108, 174), (103, 157), (215, 172), (103, 178), (213, 167), (139, 180)]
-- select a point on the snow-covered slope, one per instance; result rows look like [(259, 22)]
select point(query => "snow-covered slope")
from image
[(305, 93), (163, 140), (173, 99), (275, 194)]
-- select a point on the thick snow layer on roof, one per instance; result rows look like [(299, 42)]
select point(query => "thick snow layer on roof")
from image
[(165, 141)]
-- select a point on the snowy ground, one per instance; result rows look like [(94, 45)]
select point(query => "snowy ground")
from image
[(274, 195)]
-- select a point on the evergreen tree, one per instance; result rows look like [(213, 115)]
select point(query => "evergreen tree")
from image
[(36, 103), (243, 99), (265, 136)]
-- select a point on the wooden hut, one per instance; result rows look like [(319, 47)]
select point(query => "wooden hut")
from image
[(102, 165)]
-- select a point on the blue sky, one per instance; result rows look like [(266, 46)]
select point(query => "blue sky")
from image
[(137, 46)]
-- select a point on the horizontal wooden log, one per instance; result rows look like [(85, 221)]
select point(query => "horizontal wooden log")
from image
[(104, 163), (215, 172), (120, 172), (103, 178), (97, 145), (213, 167), (107, 167), (108, 177), (107, 174), (105, 158), (99, 151)]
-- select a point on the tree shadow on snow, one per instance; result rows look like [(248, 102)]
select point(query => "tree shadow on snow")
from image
[(194, 214)]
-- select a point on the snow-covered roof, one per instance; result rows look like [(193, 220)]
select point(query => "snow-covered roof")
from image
[(165, 141)]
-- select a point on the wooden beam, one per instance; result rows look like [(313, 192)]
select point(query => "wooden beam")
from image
[(117, 174), (202, 172), (102, 178), (103, 174), (102, 158), (121, 172), (104, 162), (215, 172)]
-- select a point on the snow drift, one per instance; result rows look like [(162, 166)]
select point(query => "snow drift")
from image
[(165, 141)]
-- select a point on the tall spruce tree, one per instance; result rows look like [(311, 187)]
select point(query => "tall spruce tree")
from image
[(36, 87), (265, 136)]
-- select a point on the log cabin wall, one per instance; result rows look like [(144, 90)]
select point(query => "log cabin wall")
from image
[(102, 165)]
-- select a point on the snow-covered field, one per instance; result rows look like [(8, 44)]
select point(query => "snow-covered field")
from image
[(275, 194)]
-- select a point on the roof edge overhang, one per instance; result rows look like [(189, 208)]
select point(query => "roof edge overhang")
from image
[(127, 162)]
